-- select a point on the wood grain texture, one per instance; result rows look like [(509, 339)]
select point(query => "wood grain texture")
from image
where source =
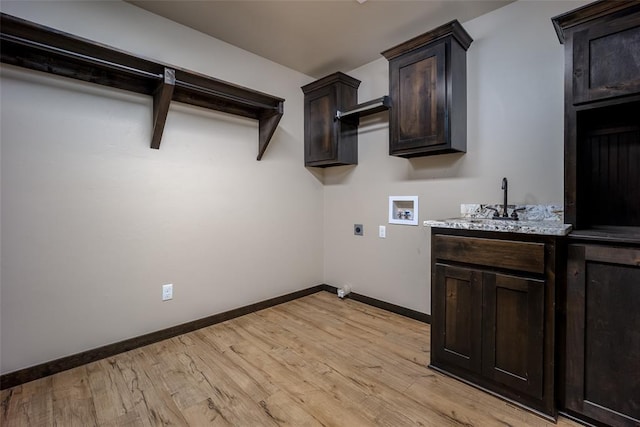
[(427, 89), (514, 255), (327, 141), (32, 373), (314, 361), (602, 368)]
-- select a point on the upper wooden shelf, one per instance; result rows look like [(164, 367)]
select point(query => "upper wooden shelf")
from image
[(33, 46)]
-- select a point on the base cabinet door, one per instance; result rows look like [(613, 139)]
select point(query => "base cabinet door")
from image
[(603, 333), (513, 332), (456, 316)]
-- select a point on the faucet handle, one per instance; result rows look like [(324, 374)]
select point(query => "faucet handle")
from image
[(496, 214), (514, 214)]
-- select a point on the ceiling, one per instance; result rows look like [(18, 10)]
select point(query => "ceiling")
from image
[(317, 37)]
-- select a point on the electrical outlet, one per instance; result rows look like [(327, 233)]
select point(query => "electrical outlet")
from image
[(167, 292), (382, 232), (358, 229)]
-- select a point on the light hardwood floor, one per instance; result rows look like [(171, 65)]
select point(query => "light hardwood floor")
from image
[(314, 361)]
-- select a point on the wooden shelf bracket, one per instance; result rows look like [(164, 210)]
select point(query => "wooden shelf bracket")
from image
[(161, 101)]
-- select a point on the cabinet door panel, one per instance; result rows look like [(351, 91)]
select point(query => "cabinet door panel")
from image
[(419, 117), (603, 333), (418, 87), (457, 317), (607, 59), (320, 138), (514, 332)]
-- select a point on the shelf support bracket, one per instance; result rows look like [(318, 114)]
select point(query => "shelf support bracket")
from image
[(161, 101), (267, 125)]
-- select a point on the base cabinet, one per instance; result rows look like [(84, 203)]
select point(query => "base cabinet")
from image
[(603, 333), (493, 314)]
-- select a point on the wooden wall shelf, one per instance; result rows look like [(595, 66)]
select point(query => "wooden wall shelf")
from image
[(29, 45)]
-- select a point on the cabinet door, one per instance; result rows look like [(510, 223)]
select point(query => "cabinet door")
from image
[(418, 97), (320, 126), (603, 333), (513, 335), (606, 57), (329, 142), (456, 318)]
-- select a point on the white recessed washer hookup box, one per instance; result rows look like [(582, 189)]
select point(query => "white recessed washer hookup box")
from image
[(403, 210)]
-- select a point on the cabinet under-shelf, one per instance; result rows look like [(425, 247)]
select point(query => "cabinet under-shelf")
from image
[(36, 47), (608, 234)]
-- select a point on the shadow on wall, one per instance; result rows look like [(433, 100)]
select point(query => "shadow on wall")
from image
[(339, 174), (434, 167), (374, 123), (317, 173)]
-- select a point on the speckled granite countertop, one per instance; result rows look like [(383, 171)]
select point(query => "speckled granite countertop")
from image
[(534, 219)]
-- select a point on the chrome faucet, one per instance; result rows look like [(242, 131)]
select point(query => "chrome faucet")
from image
[(505, 185)]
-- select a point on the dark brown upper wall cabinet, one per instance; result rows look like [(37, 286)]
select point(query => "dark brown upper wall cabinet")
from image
[(428, 91), (327, 140), (606, 52)]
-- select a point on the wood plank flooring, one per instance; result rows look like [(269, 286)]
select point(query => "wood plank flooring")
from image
[(315, 361)]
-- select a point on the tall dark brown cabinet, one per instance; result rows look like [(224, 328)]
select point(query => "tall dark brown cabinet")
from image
[(428, 91), (601, 368)]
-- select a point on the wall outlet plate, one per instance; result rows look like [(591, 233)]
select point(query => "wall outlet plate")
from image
[(167, 292), (382, 232), (358, 229)]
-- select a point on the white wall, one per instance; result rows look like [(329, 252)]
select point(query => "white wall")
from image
[(94, 221), (515, 129)]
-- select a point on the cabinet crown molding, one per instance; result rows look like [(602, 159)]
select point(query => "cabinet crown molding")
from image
[(453, 29), (337, 77), (562, 23)]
